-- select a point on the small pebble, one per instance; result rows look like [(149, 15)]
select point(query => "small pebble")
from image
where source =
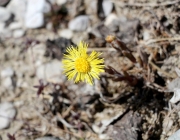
[(47, 138), (79, 23), (7, 112), (18, 33), (8, 72)]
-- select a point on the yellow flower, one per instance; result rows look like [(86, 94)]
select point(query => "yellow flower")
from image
[(80, 66)]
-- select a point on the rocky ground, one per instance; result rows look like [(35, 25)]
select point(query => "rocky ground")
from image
[(137, 98)]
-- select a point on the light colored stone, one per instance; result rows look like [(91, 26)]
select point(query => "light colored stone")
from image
[(79, 23), (7, 83), (5, 33), (35, 6), (85, 89), (47, 8), (49, 26), (18, 8), (175, 136), (47, 138), (4, 14), (18, 33), (34, 16), (110, 18), (7, 112), (61, 2), (7, 72), (15, 25), (51, 72), (34, 21), (66, 33), (147, 35), (107, 7), (2, 26)]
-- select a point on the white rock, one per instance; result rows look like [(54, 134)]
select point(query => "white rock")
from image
[(147, 35), (66, 33), (18, 33), (47, 8), (18, 8), (6, 33), (4, 123), (2, 26), (175, 136), (177, 71), (35, 6), (21, 83), (34, 21), (174, 84), (8, 72), (107, 7), (110, 18), (47, 138), (4, 14), (7, 83), (79, 23), (176, 96), (7, 112), (49, 26), (51, 72), (61, 2), (15, 25), (34, 15)]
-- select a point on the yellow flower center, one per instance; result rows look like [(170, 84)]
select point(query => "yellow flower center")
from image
[(82, 65)]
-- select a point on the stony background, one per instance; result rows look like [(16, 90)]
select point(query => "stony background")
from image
[(36, 100)]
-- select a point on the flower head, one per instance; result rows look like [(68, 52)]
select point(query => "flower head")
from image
[(80, 66)]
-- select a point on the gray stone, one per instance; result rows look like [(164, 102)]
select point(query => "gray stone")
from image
[(18, 33), (5, 33), (61, 2), (4, 14), (7, 112), (34, 16), (107, 7), (2, 26), (110, 18), (18, 8), (7, 72), (47, 8), (147, 35), (51, 72), (7, 83), (47, 138), (66, 33), (175, 136), (34, 21), (79, 23), (15, 25), (35, 6)]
